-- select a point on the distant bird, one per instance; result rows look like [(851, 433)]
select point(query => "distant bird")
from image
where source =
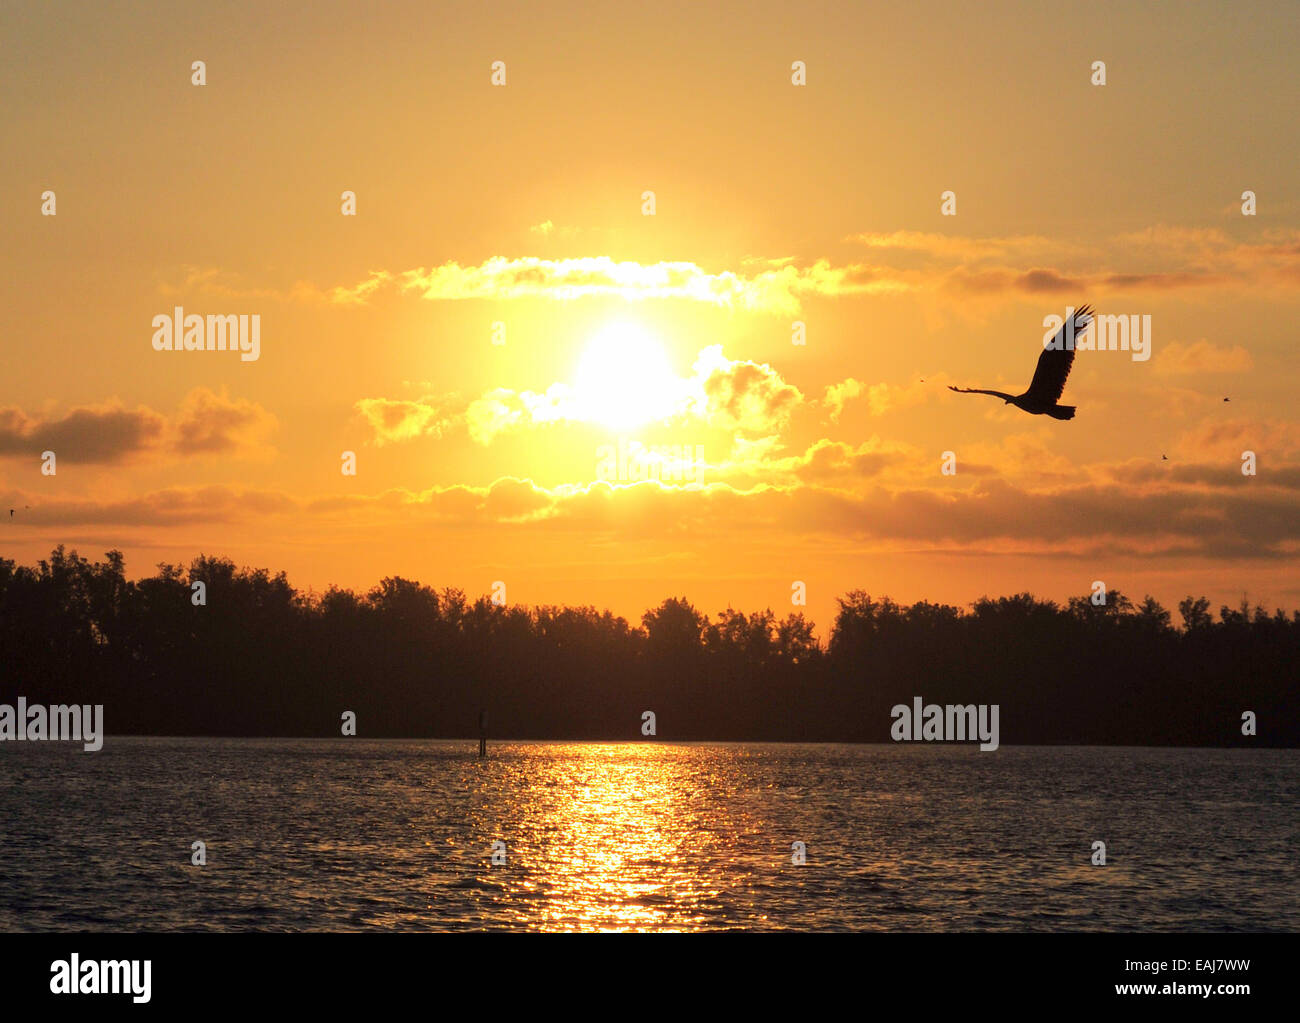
[(1164, 458), (1044, 393), (1225, 399)]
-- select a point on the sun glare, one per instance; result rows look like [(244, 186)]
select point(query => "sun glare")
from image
[(624, 378)]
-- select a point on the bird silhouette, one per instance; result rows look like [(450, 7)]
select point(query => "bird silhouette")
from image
[(1044, 393), (1225, 399), (1164, 458)]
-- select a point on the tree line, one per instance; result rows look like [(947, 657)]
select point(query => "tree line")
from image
[(262, 658)]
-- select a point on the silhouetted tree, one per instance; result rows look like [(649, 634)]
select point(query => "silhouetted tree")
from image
[(260, 658)]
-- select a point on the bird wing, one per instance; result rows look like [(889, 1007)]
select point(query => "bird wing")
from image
[(1055, 361), (977, 390)]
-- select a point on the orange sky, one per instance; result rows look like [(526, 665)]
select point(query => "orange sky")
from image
[(522, 205)]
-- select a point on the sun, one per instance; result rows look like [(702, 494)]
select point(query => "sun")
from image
[(624, 378)]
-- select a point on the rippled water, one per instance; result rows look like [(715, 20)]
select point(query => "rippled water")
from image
[(356, 835)]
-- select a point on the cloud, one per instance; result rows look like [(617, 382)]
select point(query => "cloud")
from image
[(780, 288), (1247, 520), (1222, 475), (395, 420), (548, 229), (1157, 259), (828, 460), (838, 394), (743, 395), (218, 283), (758, 463), (104, 434), (359, 293), (213, 424), (1224, 440), (108, 434), (959, 247), (881, 397), (172, 507), (886, 397), (503, 409), (1180, 359)]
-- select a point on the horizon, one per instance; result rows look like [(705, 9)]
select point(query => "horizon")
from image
[(495, 742), (1130, 604)]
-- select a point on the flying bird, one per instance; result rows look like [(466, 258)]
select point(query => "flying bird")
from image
[(1044, 393)]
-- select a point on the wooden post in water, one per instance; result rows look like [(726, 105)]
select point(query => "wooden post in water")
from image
[(482, 733)]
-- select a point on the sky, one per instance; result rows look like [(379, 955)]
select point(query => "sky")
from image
[(506, 316)]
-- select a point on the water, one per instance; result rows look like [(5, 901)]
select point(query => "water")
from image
[(361, 835)]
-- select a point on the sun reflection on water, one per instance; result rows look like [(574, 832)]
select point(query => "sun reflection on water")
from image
[(615, 837)]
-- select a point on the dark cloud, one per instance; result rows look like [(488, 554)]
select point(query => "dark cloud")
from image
[(102, 435)]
